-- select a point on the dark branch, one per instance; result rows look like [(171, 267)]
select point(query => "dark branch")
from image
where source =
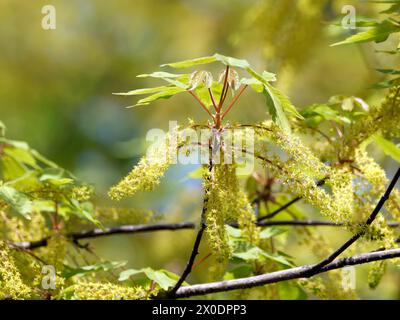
[(283, 275), (126, 229), (139, 228)]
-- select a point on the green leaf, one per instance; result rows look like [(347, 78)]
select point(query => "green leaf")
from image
[(239, 272), (164, 94), (55, 176), (388, 71), (232, 62), (22, 156), (142, 91), (84, 211), (388, 147), (69, 271), (378, 33), (395, 8), (290, 290), (160, 74), (271, 232), (190, 62), (203, 94), (386, 84), (18, 201), (275, 108), (164, 278), (257, 254), (326, 112)]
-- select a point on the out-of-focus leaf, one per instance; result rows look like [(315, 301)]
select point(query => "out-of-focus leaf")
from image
[(325, 111), (395, 8), (290, 290), (257, 254), (84, 211), (378, 33), (268, 233), (22, 155), (69, 271), (386, 84), (388, 147), (18, 201), (164, 278), (239, 272), (143, 91), (55, 176), (388, 71)]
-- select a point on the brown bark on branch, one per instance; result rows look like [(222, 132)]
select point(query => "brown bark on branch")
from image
[(283, 275)]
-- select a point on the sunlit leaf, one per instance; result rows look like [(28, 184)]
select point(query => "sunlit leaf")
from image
[(378, 33), (388, 147), (18, 201)]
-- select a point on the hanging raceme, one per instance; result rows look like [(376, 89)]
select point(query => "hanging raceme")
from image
[(11, 283), (145, 176)]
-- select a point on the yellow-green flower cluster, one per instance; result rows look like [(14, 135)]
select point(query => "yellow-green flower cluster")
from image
[(107, 291), (146, 175), (301, 170), (382, 119), (226, 202), (376, 177), (376, 273), (11, 284)]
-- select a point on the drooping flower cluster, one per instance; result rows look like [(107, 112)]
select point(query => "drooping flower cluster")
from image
[(226, 202), (146, 175), (11, 283)]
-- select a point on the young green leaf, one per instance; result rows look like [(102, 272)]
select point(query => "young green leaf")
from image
[(166, 93), (18, 201), (388, 147), (378, 33), (190, 63)]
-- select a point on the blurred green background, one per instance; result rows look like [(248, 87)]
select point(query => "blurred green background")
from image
[(56, 89)]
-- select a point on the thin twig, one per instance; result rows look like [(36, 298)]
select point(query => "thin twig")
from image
[(202, 104), (233, 101), (212, 99), (224, 89)]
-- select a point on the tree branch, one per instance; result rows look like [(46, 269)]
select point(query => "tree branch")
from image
[(139, 228), (305, 271)]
